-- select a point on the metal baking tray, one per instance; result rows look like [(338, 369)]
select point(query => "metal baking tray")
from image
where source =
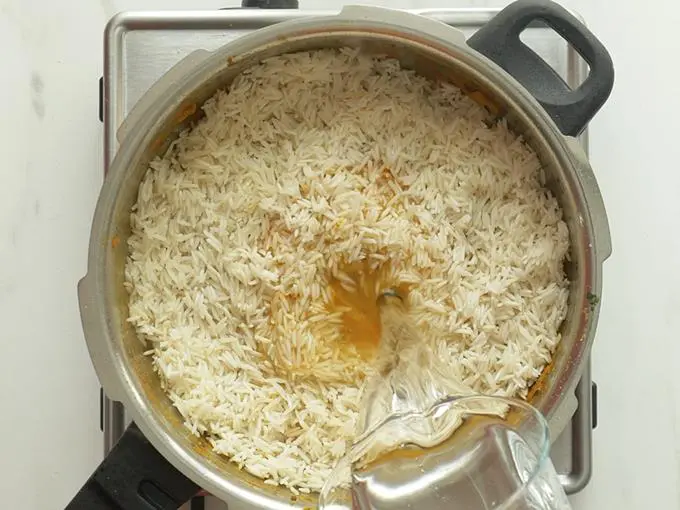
[(139, 47)]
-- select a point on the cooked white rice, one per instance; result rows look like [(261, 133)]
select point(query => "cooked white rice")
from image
[(310, 162)]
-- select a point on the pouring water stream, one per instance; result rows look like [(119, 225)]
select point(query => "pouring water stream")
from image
[(404, 455)]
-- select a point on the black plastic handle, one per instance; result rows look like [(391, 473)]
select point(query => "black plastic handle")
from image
[(570, 109), (134, 476), (269, 4)]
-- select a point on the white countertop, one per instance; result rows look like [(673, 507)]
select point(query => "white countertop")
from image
[(51, 146)]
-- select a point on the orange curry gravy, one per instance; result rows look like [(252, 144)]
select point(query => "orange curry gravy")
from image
[(355, 294)]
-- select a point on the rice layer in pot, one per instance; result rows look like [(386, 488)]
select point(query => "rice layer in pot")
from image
[(261, 239)]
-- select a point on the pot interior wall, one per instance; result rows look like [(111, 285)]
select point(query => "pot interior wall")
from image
[(434, 65)]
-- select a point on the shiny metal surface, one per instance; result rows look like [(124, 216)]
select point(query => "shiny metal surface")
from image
[(140, 48)]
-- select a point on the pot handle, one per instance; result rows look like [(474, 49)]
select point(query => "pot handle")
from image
[(134, 476), (570, 109), (269, 4)]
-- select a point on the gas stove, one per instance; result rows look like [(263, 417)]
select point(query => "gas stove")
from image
[(142, 46)]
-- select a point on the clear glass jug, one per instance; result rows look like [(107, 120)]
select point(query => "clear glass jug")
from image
[(497, 458)]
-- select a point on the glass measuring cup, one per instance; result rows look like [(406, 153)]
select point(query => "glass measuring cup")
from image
[(468, 453)]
